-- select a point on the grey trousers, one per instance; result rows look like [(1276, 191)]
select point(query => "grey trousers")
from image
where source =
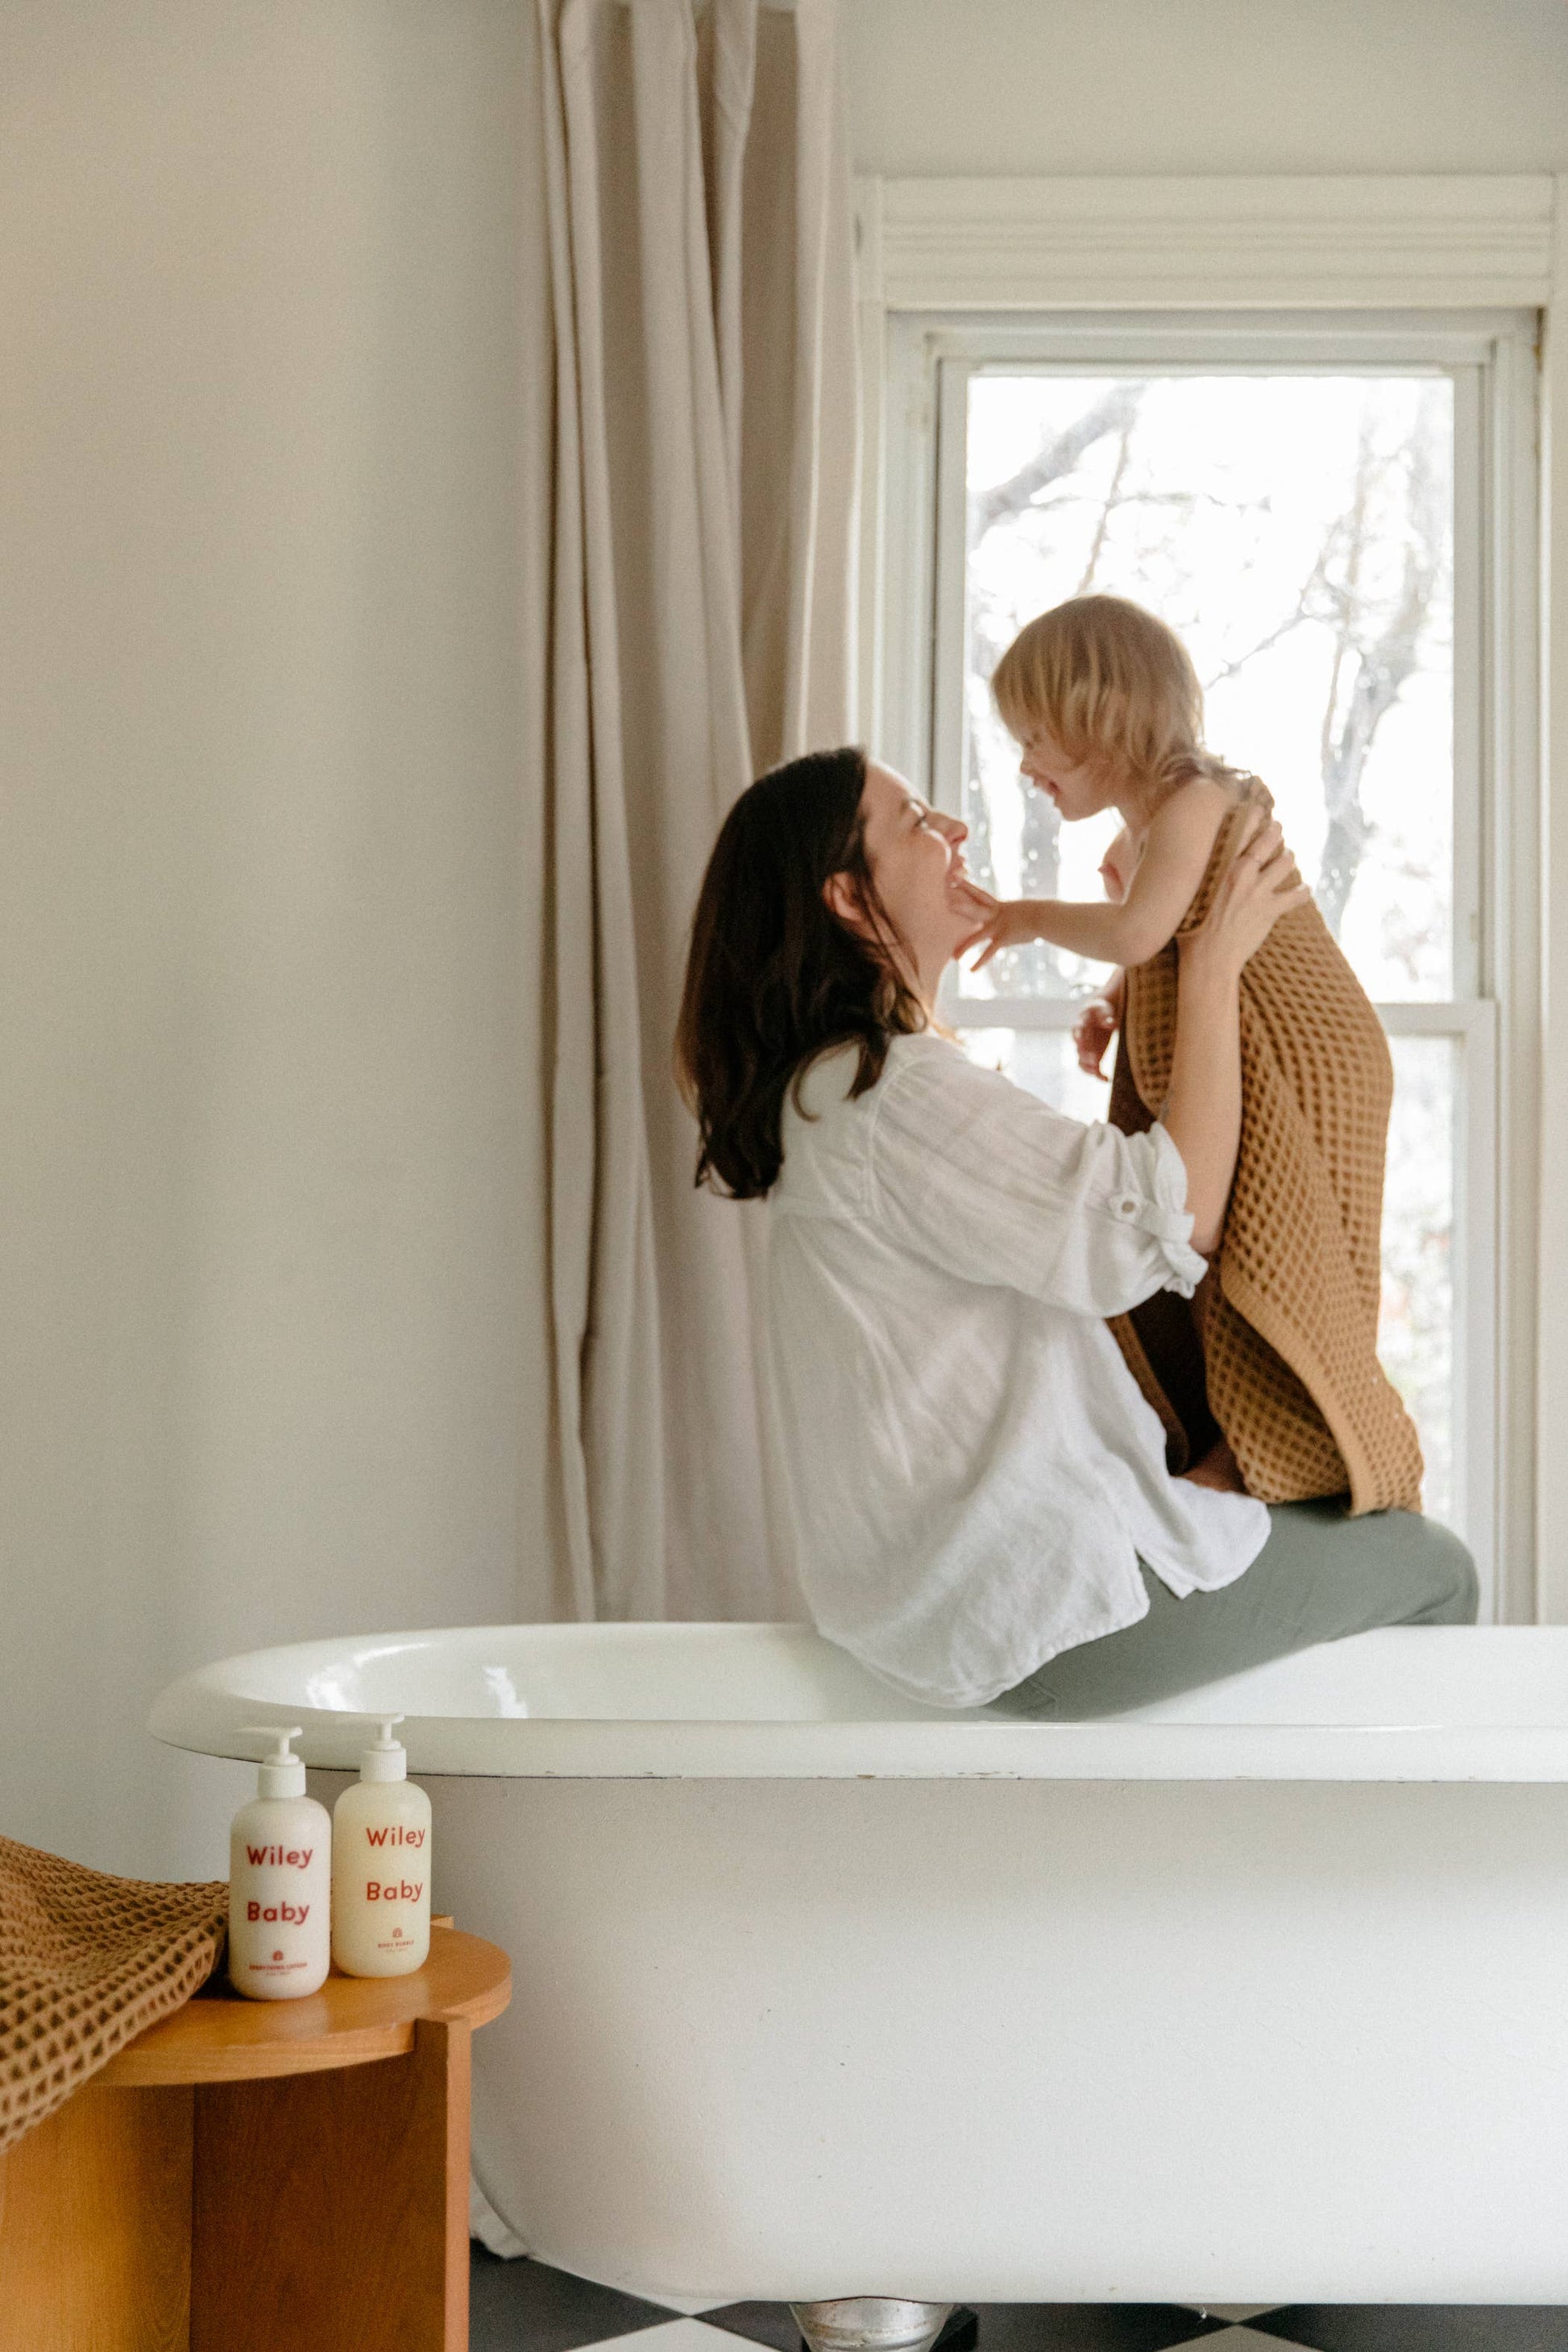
[(1318, 1576)]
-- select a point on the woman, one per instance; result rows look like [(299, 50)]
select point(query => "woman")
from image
[(980, 1491)]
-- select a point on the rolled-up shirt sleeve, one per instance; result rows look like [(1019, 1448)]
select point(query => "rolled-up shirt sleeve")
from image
[(984, 1179)]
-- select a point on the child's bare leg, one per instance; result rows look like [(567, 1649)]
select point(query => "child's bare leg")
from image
[(1218, 1469)]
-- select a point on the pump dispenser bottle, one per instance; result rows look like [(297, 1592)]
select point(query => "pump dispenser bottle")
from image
[(279, 1881), (381, 1865)]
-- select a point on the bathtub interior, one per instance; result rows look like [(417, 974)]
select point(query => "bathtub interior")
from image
[(605, 1673), (1508, 1677)]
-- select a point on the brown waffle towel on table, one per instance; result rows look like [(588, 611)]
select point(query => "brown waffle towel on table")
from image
[(87, 1962), (1288, 1322)]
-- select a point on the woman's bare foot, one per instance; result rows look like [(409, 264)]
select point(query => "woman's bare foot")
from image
[(1218, 1469)]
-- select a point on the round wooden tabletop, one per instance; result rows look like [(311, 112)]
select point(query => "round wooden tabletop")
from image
[(220, 2037)]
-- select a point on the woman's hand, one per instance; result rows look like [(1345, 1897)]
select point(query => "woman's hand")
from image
[(1260, 885), (1097, 1024)]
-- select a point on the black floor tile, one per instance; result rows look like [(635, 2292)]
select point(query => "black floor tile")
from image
[(526, 2307), (1419, 2328), (760, 2323)]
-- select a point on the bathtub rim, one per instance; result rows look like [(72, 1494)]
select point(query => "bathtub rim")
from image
[(200, 1712)]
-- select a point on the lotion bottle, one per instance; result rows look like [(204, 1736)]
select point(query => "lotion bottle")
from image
[(381, 1865), (279, 1882)]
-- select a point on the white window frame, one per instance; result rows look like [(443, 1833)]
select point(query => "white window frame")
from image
[(1360, 279)]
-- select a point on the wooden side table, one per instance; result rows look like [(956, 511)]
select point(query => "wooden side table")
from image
[(260, 2176)]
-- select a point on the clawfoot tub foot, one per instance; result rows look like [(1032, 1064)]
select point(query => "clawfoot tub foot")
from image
[(871, 2323)]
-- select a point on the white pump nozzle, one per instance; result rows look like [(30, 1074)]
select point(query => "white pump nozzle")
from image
[(386, 1758), (282, 1774)]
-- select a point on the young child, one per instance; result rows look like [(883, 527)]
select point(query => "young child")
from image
[(1279, 1358), (1107, 708)]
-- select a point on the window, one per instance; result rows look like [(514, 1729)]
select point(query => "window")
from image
[(1315, 504)]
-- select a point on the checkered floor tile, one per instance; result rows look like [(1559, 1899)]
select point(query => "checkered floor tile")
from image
[(524, 2306)]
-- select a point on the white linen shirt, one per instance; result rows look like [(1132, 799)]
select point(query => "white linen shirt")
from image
[(974, 1471)]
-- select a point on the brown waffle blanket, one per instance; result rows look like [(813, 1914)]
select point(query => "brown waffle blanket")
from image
[(87, 1962), (1278, 1350)]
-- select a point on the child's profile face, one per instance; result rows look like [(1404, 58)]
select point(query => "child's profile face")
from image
[(1074, 787)]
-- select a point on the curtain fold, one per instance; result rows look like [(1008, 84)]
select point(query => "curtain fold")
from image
[(704, 467)]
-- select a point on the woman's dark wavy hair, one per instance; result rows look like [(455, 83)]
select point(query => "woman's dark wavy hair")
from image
[(774, 978)]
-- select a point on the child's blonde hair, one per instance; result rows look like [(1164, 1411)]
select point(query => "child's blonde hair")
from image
[(1118, 690)]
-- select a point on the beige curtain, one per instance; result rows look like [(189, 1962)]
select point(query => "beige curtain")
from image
[(700, 626)]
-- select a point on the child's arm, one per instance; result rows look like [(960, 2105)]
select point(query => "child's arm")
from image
[(1176, 852)]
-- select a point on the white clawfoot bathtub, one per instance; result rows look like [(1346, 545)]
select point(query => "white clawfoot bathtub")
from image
[(1259, 1995)]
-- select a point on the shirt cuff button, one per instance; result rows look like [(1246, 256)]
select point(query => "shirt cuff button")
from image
[(1126, 1206)]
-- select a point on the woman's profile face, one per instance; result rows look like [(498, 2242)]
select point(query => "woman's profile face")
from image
[(916, 856)]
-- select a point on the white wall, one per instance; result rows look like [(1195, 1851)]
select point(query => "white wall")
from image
[(271, 1354), (1151, 86)]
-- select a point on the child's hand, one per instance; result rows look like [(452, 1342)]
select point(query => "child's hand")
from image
[(1007, 923), (1097, 1024), (966, 898)]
